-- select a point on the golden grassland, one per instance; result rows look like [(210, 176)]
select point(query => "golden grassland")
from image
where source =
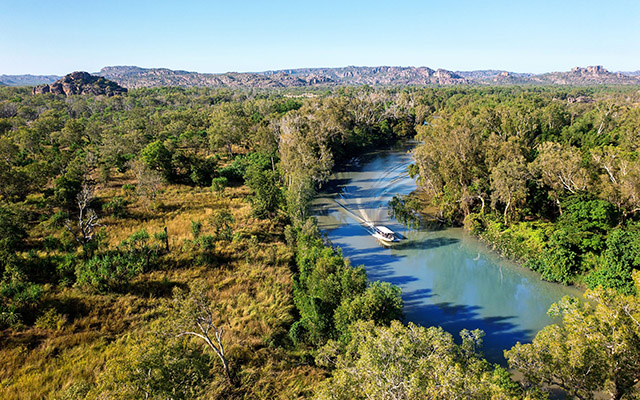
[(250, 279)]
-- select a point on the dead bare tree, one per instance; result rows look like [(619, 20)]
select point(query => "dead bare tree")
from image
[(149, 180), (194, 315), (85, 230)]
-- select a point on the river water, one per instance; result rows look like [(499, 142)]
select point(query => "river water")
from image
[(447, 277)]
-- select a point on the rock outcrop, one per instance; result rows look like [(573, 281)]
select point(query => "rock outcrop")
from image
[(592, 75), (80, 82)]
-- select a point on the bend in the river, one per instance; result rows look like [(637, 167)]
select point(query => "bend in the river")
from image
[(447, 277)]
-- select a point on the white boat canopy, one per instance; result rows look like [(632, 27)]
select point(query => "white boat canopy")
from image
[(384, 229)]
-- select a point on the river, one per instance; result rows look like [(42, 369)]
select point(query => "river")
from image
[(448, 278)]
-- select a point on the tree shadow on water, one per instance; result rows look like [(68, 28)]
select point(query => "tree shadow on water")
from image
[(424, 244), (500, 332)]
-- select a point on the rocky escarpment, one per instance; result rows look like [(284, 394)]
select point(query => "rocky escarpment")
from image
[(81, 83), (592, 75), (375, 76), (136, 77)]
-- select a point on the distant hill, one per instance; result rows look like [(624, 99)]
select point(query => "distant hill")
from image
[(387, 76), (631, 73), (80, 82), (27, 80), (135, 77), (586, 76), (492, 76)]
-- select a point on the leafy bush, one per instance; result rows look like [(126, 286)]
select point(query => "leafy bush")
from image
[(235, 171), (51, 319), (218, 184), (559, 262), (116, 207), (617, 263), (587, 221), (265, 184), (65, 268), (222, 222), (66, 189), (475, 224), (157, 157), (154, 368), (17, 299), (12, 229), (108, 272), (207, 247), (381, 302), (202, 171), (112, 270), (196, 228)]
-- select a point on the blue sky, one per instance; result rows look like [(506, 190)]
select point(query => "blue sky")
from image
[(60, 36)]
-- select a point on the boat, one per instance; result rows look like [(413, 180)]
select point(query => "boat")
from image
[(385, 234)]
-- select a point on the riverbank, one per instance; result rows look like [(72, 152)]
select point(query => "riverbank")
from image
[(448, 277)]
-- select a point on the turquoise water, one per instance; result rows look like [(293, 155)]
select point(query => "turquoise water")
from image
[(447, 277)]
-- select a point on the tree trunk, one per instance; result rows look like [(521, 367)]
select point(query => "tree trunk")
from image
[(226, 370), (506, 210), (166, 240), (481, 208), (230, 149)]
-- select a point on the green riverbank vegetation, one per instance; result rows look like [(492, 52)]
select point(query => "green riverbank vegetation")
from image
[(548, 178), (159, 244)]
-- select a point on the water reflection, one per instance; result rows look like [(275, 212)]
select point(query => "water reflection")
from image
[(447, 278)]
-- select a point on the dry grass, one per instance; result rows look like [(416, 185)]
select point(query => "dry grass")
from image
[(251, 281)]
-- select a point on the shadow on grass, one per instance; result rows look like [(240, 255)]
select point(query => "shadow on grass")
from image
[(156, 288)]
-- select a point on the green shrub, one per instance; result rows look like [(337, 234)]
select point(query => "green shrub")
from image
[(51, 319), (129, 188), (222, 222), (475, 224), (116, 207), (196, 229), (617, 263), (559, 262), (218, 184), (587, 221), (202, 171), (235, 171), (17, 299), (157, 157), (65, 269), (381, 302), (108, 272), (265, 184)]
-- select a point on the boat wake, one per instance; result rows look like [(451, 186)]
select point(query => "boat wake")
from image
[(368, 203)]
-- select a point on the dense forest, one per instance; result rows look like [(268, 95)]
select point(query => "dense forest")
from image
[(158, 244), (550, 179)]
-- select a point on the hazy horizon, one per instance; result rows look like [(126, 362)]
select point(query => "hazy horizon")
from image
[(323, 67)]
